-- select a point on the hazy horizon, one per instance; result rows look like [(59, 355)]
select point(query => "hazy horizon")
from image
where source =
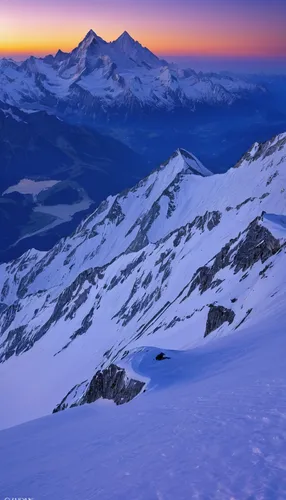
[(205, 63)]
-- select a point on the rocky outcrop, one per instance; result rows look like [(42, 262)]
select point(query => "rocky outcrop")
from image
[(259, 244), (15, 343), (9, 314), (217, 316), (141, 240), (255, 244), (161, 356), (111, 383)]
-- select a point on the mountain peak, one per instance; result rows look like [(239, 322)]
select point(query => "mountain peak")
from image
[(91, 37), (90, 34), (125, 37), (188, 162)]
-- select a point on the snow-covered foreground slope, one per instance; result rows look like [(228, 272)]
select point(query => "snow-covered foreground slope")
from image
[(99, 78), (178, 260), (210, 426)]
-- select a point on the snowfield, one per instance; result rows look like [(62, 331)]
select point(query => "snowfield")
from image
[(212, 425)]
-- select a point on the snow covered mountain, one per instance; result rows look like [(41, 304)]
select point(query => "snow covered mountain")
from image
[(99, 79), (178, 260)]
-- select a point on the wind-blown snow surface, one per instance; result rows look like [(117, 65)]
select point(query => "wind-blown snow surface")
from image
[(98, 78), (211, 426), (178, 260)]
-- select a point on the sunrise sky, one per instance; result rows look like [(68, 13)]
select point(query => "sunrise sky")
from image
[(244, 28)]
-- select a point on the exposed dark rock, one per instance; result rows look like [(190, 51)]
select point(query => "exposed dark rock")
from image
[(70, 256), (209, 219), (85, 324), (9, 315), (101, 208), (202, 279), (159, 313), (248, 200), (141, 239), (259, 244), (161, 356), (111, 383), (166, 268), (38, 268), (243, 320), (64, 300), (125, 273), (271, 178), (264, 195), (217, 316), (243, 277), (172, 323), (115, 214), (265, 269), (127, 313), (146, 282), (81, 299), (15, 343), (214, 220), (149, 190), (5, 290), (264, 149), (63, 405), (180, 234), (216, 283), (170, 193), (163, 256)]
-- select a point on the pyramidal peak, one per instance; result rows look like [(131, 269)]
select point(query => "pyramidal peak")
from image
[(125, 36), (91, 37), (188, 162), (125, 41)]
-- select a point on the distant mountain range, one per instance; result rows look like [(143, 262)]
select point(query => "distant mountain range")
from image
[(100, 80)]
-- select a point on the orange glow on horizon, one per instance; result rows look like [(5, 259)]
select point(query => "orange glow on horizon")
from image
[(212, 47), (39, 28)]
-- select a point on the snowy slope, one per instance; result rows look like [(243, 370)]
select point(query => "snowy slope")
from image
[(212, 427), (99, 78), (178, 260)]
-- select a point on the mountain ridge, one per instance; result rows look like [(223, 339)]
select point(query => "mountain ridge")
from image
[(174, 262), (100, 79)]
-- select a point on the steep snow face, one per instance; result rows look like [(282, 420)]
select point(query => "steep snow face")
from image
[(99, 78), (180, 259), (210, 425)]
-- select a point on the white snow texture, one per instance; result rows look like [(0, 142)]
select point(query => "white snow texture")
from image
[(186, 263)]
